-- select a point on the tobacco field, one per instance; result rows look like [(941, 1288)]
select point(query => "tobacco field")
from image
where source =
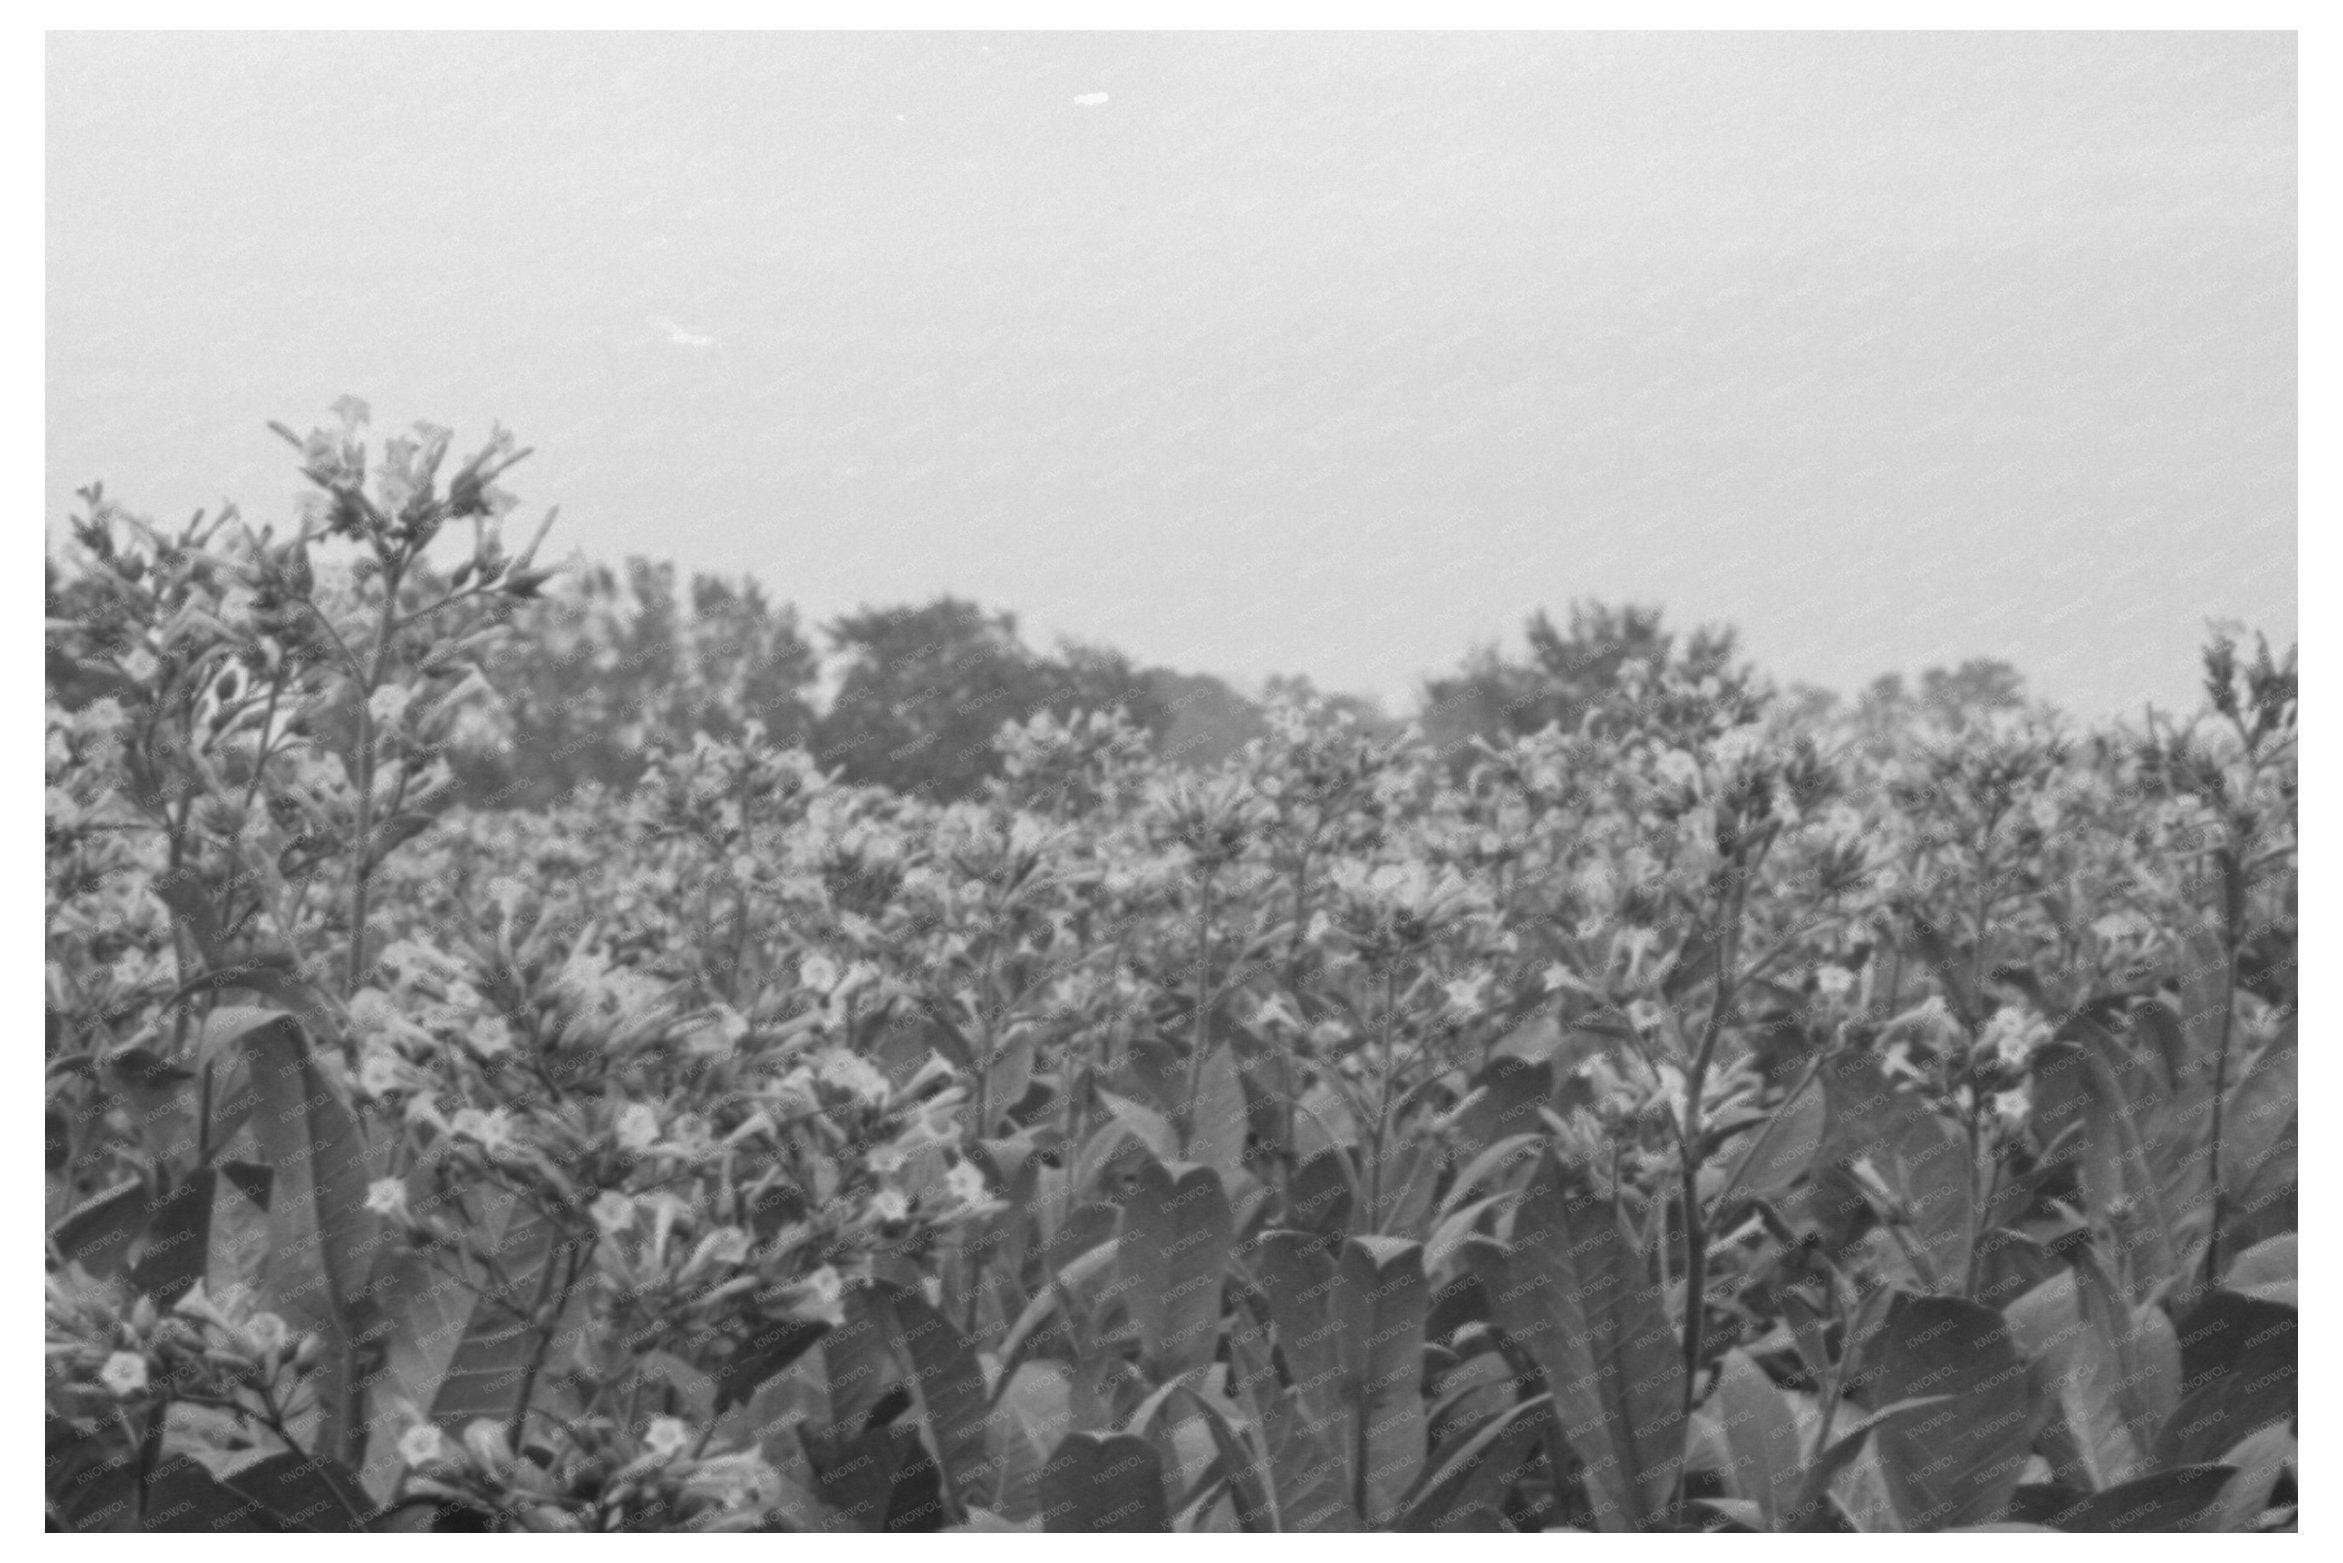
[(1711, 1117)]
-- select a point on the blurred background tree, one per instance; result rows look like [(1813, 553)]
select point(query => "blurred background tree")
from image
[(1570, 673)]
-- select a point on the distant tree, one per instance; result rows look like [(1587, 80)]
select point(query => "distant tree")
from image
[(1956, 696), (1570, 674), (1298, 687), (924, 691), (1203, 720), (1977, 685), (1802, 703), (622, 662), (1085, 677)]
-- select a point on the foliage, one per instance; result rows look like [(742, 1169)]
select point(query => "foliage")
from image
[(1696, 1116), (605, 667)]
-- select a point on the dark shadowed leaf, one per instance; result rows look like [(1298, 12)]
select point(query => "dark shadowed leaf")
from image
[(952, 1397), (1958, 1464), (1103, 1482), (2237, 1365), (286, 1494), (2169, 1500)]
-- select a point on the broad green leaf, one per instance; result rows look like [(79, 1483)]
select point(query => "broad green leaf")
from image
[(1251, 1491), (1849, 1447), (1380, 1296), (1502, 1105), (98, 1234), (1305, 1466), (949, 1386), (2266, 1270), (1762, 1435), (1781, 1150), (460, 1345), (1170, 1261), (1916, 1158), (2147, 1353), (2237, 1363), (1006, 1078), (1959, 1464), (1463, 1482), (2259, 1461), (1575, 1294), (1322, 1194), (2136, 1151), (322, 1238), (768, 1346), (176, 1249), (1034, 1413), (1297, 1282), (2081, 1371), (1217, 1136)]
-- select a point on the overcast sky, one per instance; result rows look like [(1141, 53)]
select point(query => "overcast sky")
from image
[(1329, 353)]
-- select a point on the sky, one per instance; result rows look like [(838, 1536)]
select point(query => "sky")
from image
[(1249, 353)]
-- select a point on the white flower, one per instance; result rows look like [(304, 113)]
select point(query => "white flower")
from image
[(741, 1480), (667, 1436), (387, 1197), (1637, 941), (388, 705), (847, 1072), (490, 1450), (378, 1075), (2013, 1035), (489, 1036), (818, 972), (890, 1205), (824, 1296), (638, 1127), (612, 1211), (1276, 1011), (2011, 1107), (267, 1331), (1464, 994), (493, 1130), (1895, 1060), (965, 1183), (1677, 768), (1833, 981), (124, 1373), (372, 1012), (422, 1444)]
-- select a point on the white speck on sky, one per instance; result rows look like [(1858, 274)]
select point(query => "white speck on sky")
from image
[(1330, 353), (678, 335)]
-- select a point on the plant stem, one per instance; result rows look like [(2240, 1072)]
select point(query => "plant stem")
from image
[(1203, 1026), (2232, 874), (1383, 1095), (1695, 1084), (362, 868)]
